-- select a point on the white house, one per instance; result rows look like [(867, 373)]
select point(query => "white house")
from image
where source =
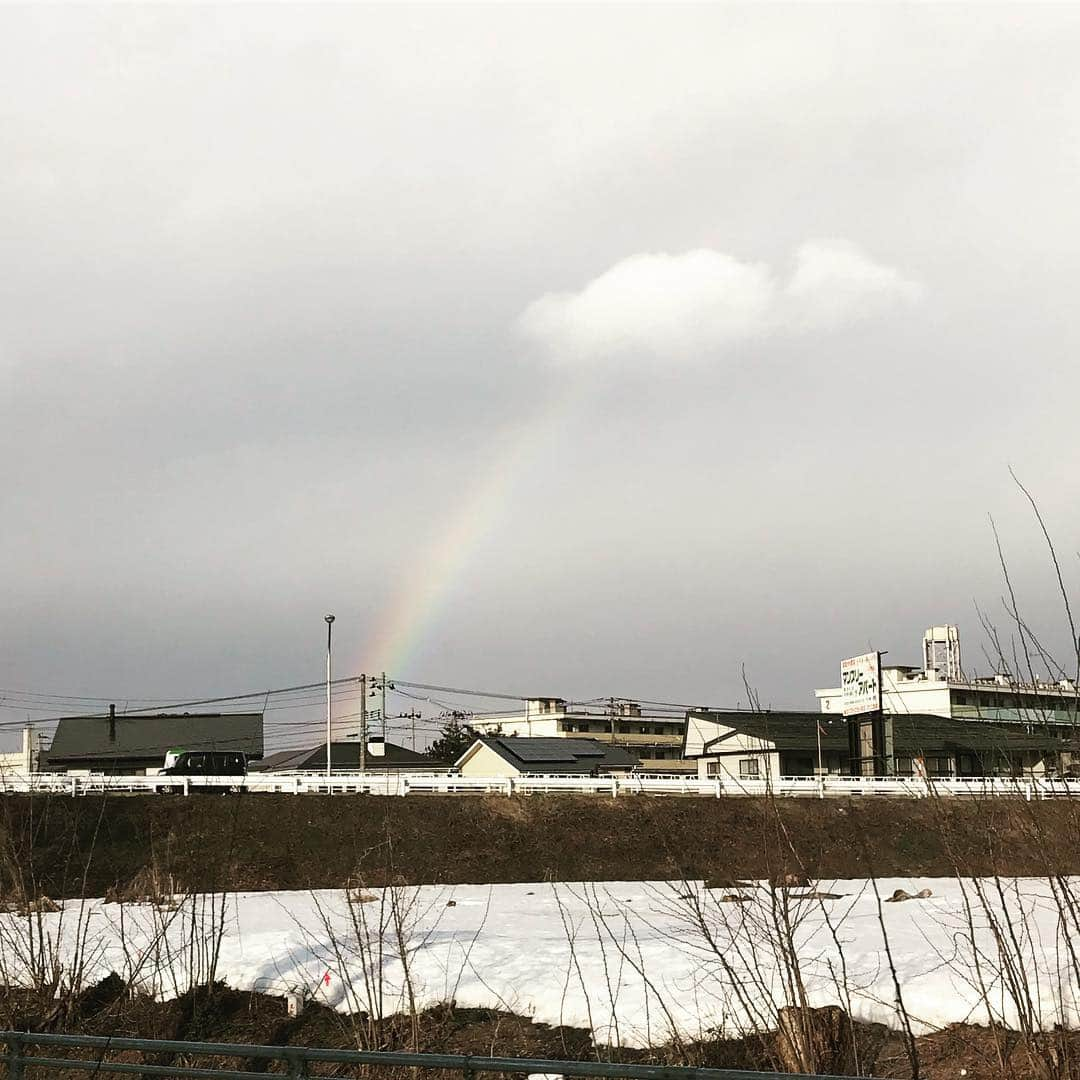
[(516, 755), (766, 746)]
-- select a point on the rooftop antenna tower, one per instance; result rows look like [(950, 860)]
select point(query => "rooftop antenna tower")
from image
[(941, 653)]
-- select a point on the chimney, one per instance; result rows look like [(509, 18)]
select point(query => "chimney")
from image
[(112, 723)]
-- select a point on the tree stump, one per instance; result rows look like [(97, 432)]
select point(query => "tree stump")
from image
[(815, 1040)]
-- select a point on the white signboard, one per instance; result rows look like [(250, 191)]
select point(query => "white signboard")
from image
[(860, 683)]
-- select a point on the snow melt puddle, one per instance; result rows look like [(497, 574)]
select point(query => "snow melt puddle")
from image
[(633, 961)]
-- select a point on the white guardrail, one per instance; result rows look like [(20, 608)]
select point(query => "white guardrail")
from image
[(446, 784)]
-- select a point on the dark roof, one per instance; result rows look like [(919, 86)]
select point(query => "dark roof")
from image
[(346, 756), (788, 730), (555, 755), (913, 733), (99, 739)]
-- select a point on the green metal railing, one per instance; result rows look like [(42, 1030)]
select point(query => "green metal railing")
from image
[(22, 1064)]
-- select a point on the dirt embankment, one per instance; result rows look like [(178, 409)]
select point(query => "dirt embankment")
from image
[(221, 1015), (65, 847)]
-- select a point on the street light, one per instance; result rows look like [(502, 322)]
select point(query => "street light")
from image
[(329, 633)]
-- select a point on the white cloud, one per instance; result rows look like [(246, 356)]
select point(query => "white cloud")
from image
[(655, 304), (685, 308), (834, 284)]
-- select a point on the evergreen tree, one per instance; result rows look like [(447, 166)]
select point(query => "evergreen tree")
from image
[(455, 738)]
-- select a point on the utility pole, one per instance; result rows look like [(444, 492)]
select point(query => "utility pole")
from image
[(611, 713), (329, 632), (382, 707), (363, 723), (412, 715)]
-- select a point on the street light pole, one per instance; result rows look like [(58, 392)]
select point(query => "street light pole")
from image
[(820, 774), (329, 633)]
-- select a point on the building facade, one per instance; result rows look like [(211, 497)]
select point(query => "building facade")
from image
[(769, 746)]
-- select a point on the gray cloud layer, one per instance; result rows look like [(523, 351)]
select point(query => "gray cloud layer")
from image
[(278, 282)]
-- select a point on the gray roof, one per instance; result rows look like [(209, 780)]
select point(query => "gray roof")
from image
[(915, 733), (786, 730), (87, 740), (554, 755), (346, 756)]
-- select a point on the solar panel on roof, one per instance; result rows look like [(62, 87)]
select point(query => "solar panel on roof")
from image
[(587, 750), (538, 749)]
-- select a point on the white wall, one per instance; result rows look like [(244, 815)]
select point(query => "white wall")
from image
[(24, 760), (738, 749), (483, 761), (898, 695), (725, 757), (699, 730), (519, 725)]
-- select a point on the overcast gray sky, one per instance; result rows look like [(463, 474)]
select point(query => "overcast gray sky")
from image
[(583, 350)]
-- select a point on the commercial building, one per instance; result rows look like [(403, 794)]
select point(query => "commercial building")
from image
[(939, 687), (652, 735), (516, 755), (134, 745), (768, 746)]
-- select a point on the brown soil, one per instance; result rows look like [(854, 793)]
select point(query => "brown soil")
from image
[(62, 847), (254, 1019)]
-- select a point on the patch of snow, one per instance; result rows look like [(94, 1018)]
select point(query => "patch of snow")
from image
[(633, 961)]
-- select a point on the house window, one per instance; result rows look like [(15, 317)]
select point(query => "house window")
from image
[(749, 769)]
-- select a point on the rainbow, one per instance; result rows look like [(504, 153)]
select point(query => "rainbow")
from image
[(409, 620)]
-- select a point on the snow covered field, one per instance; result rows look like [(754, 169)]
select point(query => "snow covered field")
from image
[(632, 961)]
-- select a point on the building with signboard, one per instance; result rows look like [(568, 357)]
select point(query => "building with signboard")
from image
[(940, 687)]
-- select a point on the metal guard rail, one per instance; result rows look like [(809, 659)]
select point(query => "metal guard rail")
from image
[(299, 1057), (446, 784)]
